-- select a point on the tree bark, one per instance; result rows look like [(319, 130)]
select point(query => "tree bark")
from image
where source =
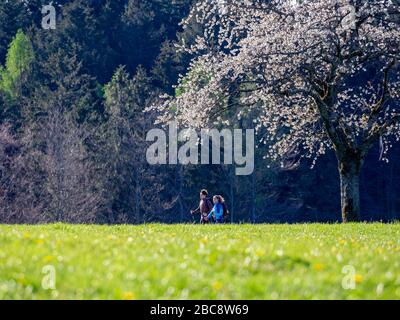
[(349, 170)]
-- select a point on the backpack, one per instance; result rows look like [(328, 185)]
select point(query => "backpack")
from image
[(225, 210)]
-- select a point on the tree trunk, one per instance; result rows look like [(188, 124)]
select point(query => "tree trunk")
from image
[(349, 170)]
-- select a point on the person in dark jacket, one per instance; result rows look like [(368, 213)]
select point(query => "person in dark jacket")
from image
[(205, 207)]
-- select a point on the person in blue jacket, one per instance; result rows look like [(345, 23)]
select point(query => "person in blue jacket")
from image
[(217, 213)]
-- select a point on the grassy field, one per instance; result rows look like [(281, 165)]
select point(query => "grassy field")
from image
[(201, 262)]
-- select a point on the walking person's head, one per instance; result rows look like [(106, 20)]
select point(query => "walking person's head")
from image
[(217, 199), (203, 194)]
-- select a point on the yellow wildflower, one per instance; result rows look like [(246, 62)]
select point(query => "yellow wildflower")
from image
[(217, 285), (128, 295), (318, 266)]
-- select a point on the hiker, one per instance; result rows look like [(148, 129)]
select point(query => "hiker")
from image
[(204, 208), (217, 213), (220, 212)]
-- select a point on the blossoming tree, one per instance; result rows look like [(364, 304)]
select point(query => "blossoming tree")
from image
[(323, 74)]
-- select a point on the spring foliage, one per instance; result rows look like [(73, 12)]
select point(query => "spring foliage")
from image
[(19, 58)]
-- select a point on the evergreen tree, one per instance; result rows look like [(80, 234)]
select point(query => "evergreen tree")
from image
[(19, 59), (13, 16), (14, 79), (128, 174)]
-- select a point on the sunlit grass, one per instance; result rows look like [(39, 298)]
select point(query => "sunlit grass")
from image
[(201, 262)]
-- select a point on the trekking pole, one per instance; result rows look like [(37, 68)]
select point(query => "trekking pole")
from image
[(193, 220)]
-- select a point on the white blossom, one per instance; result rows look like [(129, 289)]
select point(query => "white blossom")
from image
[(319, 81)]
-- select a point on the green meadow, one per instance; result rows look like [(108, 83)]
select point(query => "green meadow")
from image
[(313, 261)]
